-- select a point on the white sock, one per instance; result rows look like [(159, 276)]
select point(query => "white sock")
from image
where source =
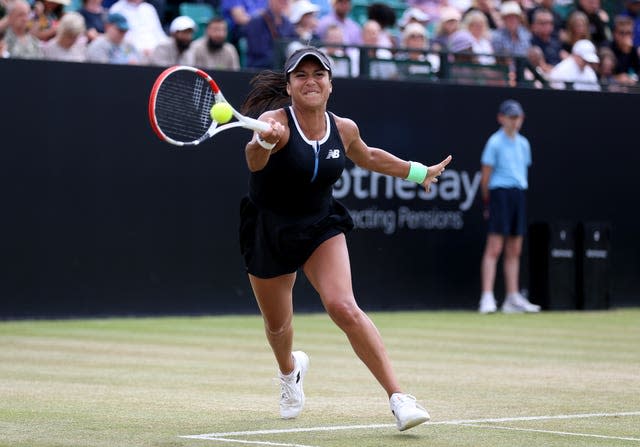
[(488, 296), (290, 375)]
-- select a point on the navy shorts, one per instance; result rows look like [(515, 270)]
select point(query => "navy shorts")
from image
[(507, 211), (274, 245)]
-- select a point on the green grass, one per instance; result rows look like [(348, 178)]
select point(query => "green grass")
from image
[(147, 381)]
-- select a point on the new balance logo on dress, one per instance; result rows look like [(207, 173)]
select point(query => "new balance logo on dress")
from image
[(335, 153)]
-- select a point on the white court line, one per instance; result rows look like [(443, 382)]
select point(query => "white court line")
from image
[(223, 437), (293, 430), (553, 432), (453, 422), (242, 441), (540, 418)]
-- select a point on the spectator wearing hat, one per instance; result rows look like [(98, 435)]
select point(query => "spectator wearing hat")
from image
[(513, 39), (632, 9), (476, 23), (45, 17), (93, 13), (464, 66), (413, 15), (449, 24), (19, 42), (505, 162), (70, 43), (304, 16), (576, 69), (111, 47), (339, 16), (145, 29), (417, 61), (627, 67), (212, 50), (324, 7), (432, 8), (174, 50), (461, 46)]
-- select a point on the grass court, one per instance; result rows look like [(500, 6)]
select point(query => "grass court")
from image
[(552, 379)]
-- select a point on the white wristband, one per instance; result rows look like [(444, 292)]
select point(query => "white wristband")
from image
[(266, 145)]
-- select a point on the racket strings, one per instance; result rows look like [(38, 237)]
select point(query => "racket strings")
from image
[(182, 106)]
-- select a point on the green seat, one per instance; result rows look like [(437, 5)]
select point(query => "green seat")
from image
[(74, 5), (201, 13)]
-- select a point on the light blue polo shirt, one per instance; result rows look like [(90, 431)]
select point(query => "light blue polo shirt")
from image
[(510, 159)]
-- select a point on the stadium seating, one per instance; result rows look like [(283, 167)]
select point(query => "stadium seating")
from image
[(201, 13)]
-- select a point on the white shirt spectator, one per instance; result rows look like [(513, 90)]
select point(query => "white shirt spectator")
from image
[(145, 29), (569, 71), (576, 68)]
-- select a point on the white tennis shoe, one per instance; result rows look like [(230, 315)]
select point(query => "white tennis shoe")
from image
[(291, 392), (407, 411), (487, 303), (516, 303)]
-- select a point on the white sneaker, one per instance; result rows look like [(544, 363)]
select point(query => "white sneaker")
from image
[(487, 303), (407, 411), (292, 395), (516, 303)]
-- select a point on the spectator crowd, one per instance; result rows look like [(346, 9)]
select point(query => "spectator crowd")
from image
[(558, 43)]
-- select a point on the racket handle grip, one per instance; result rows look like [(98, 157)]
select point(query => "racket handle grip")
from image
[(259, 126), (253, 124)]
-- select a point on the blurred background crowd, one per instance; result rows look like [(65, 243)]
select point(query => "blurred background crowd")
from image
[(581, 44)]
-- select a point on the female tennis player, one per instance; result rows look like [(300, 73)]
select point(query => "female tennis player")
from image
[(290, 220)]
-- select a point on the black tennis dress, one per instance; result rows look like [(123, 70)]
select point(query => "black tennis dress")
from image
[(290, 209)]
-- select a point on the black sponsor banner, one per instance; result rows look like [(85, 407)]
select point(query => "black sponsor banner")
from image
[(101, 218)]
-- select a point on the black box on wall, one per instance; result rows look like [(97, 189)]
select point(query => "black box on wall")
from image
[(552, 265), (593, 250)]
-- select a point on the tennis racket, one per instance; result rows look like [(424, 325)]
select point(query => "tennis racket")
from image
[(179, 106)]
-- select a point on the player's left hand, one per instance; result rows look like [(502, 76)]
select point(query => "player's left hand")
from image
[(434, 172)]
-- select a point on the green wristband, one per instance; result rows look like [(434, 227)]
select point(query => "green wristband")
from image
[(417, 172)]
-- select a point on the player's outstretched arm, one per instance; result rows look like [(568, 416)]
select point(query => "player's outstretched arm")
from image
[(435, 171), (381, 161)]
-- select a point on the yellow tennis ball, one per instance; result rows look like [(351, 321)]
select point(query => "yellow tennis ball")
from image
[(221, 112)]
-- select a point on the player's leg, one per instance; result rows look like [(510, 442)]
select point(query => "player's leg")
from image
[(329, 271), (274, 297)]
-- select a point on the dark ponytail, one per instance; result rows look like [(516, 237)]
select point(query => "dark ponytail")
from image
[(268, 92)]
